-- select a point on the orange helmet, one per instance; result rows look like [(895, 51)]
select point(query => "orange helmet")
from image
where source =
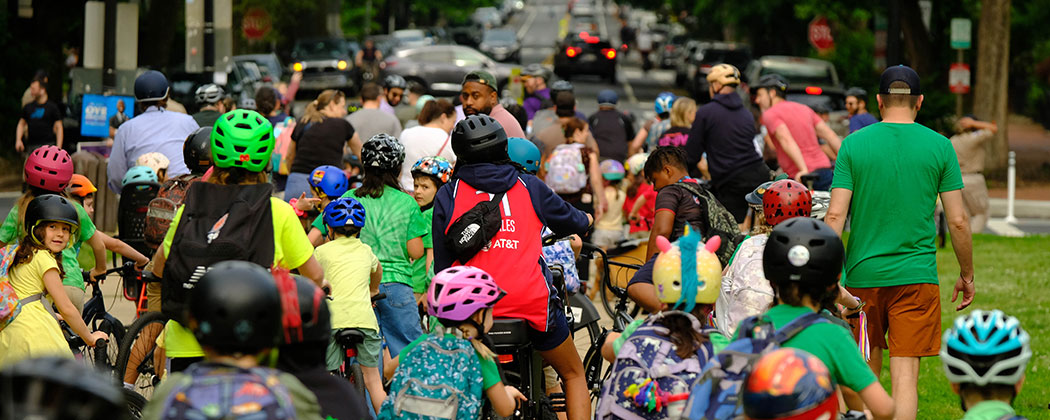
[(80, 186)]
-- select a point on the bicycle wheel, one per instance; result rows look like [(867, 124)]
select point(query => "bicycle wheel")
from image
[(135, 402), (140, 362), (104, 359), (356, 378)]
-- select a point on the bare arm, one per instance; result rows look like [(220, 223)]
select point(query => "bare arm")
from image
[(663, 223), (878, 401), (53, 284), (415, 248), (962, 243), (787, 143), (59, 133), (122, 248), (359, 58), (503, 399), (374, 279), (638, 204), (838, 209), (20, 133), (826, 133), (98, 245), (636, 143), (316, 239), (600, 204), (355, 144)]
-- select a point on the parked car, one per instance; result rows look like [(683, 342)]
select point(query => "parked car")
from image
[(673, 52), (487, 17), (469, 35), (501, 45), (509, 7), (326, 63), (705, 55), (269, 65), (810, 81), (582, 53), (441, 68)]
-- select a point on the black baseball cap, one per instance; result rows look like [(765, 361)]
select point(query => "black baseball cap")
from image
[(899, 73)]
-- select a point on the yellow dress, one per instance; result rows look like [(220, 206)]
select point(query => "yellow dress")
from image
[(34, 332)]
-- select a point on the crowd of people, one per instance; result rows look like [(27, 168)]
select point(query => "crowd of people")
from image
[(416, 221)]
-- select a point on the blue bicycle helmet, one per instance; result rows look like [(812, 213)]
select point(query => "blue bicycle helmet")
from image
[(151, 86), (138, 174), (985, 347), (663, 102), (344, 211), (525, 153), (330, 180)]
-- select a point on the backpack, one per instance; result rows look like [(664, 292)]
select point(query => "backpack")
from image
[(566, 169), (213, 391), (612, 136), (719, 221), (717, 395), (649, 356), (473, 230), (218, 223), (161, 210), (10, 304), (440, 378), (745, 291)]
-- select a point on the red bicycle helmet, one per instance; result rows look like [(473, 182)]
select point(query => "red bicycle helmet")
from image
[(49, 168), (786, 199)]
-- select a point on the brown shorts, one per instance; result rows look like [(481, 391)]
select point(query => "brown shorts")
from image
[(910, 315)]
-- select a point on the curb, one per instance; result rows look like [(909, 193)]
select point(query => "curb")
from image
[(1023, 209)]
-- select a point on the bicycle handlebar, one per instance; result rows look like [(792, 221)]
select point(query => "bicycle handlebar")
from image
[(88, 278)]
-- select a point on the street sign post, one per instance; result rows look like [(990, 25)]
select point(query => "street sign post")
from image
[(820, 34), (961, 33), (959, 72)]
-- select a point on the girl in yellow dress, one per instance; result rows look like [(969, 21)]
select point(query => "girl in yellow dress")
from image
[(51, 221)]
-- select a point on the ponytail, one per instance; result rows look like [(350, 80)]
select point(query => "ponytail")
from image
[(470, 331), (313, 110)]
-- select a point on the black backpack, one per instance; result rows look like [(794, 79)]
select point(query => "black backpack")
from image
[(218, 223), (718, 221)]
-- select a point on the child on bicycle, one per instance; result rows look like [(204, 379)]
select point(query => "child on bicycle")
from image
[(429, 174), (327, 183), (394, 229), (984, 355), (50, 224), (803, 261), (139, 174), (48, 170), (608, 230), (461, 298), (236, 316), (157, 162), (354, 273), (82, 191)]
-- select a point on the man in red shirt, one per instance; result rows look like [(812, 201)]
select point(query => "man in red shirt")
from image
[(794, 128)]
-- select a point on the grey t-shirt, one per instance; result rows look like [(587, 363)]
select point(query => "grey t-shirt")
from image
[(369, 122)]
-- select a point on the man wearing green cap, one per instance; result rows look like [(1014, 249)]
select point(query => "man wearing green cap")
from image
[(480, 95)]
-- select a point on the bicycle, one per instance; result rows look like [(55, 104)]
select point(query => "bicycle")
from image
[(349, 339), (140, 361), (97, 319)]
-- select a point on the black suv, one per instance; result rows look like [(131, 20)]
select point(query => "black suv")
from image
[(583, 53), (326, 63)]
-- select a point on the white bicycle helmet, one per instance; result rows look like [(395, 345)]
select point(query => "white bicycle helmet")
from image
[(985, 347), (209, 94), (821, 202)]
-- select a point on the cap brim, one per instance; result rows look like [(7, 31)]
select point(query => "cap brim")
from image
[(753, 198)]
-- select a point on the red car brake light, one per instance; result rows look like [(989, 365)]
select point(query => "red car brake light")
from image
[(572, 51), (609, 53), (813, 90)]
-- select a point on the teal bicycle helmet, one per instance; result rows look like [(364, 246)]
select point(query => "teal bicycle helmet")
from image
[(525, 153), (985, 347), (138, 174)]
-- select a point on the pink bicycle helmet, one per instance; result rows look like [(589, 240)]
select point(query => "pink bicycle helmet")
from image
[(49, 168), (457, 293)]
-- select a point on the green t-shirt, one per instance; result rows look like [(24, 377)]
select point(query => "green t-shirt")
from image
[(895, 172), (489, 369), (990, 410), (420, 272), (831, 343), (319, 224), (11, 231), (390, 222), (718, 341)]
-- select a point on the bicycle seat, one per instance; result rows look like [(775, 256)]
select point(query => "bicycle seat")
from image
[(509, 332), (349, 337)]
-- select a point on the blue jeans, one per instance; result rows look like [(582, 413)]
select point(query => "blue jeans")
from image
[(297, 184), (398, 316), (824, 177)]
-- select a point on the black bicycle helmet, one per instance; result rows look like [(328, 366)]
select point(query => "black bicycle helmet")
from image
[(57, 388), (803, 250), (772, 81), (394, 81), (151, 86), (237, 308), (51, 208), (479, 138), (383, 151), (560, 86), (857, 93), (196, 151)]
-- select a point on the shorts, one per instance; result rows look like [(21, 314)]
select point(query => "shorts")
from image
[(644, 274), (76, 296), (367, 351), (557, 331), (606, 239), (910, 315)]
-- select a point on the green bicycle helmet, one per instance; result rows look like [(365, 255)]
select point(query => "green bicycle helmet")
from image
[(242, 139)]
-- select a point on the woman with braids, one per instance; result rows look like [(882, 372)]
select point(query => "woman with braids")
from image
[(485, 177), (318, 140)]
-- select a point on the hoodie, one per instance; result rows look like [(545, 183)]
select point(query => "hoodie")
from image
[(724, 129)]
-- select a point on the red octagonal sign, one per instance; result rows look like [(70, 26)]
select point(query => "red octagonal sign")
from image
[(255, 24), (820, 34)]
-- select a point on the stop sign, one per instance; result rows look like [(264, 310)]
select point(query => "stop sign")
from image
[(820, 34), (255, 24)]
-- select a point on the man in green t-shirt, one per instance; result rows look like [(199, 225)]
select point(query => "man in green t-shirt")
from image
[(888, 177)]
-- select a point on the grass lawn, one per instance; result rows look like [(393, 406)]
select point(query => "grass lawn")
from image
[(1012, 274)]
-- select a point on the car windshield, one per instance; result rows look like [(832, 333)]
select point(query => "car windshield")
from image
[(801, 73), (738, 58), (500, 36), (409, 36), (329, 48)]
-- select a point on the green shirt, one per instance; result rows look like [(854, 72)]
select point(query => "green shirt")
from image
[(319, 224), (390, 222), (420, 271), (11, 231), (895, 172), (831, 343), (990, 410), (304, 400), (718, 341), (489, 369)]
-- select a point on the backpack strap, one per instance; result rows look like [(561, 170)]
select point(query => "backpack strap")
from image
[(792, 328), (31, 298)]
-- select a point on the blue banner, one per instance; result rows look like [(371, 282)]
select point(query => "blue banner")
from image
[(99, 113)]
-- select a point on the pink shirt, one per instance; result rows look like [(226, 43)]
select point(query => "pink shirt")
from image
[(507, 121), (801, 121)]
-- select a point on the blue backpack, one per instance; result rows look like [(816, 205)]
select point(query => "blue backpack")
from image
[(647, 366), (213, 391), (440, 378), (717, 395)]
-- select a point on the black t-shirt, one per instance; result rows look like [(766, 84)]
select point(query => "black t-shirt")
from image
[(684, 205), (674, 136), (41, 120), (613, 131), (337, 398), (320, 143)]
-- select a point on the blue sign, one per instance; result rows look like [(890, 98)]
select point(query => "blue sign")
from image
[(99, 113)]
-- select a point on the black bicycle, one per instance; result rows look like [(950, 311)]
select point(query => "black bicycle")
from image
[(140, 361), (349, 339), (96, 318)]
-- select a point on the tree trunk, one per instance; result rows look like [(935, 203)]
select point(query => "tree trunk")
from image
[(916, 39), (990, 93)]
